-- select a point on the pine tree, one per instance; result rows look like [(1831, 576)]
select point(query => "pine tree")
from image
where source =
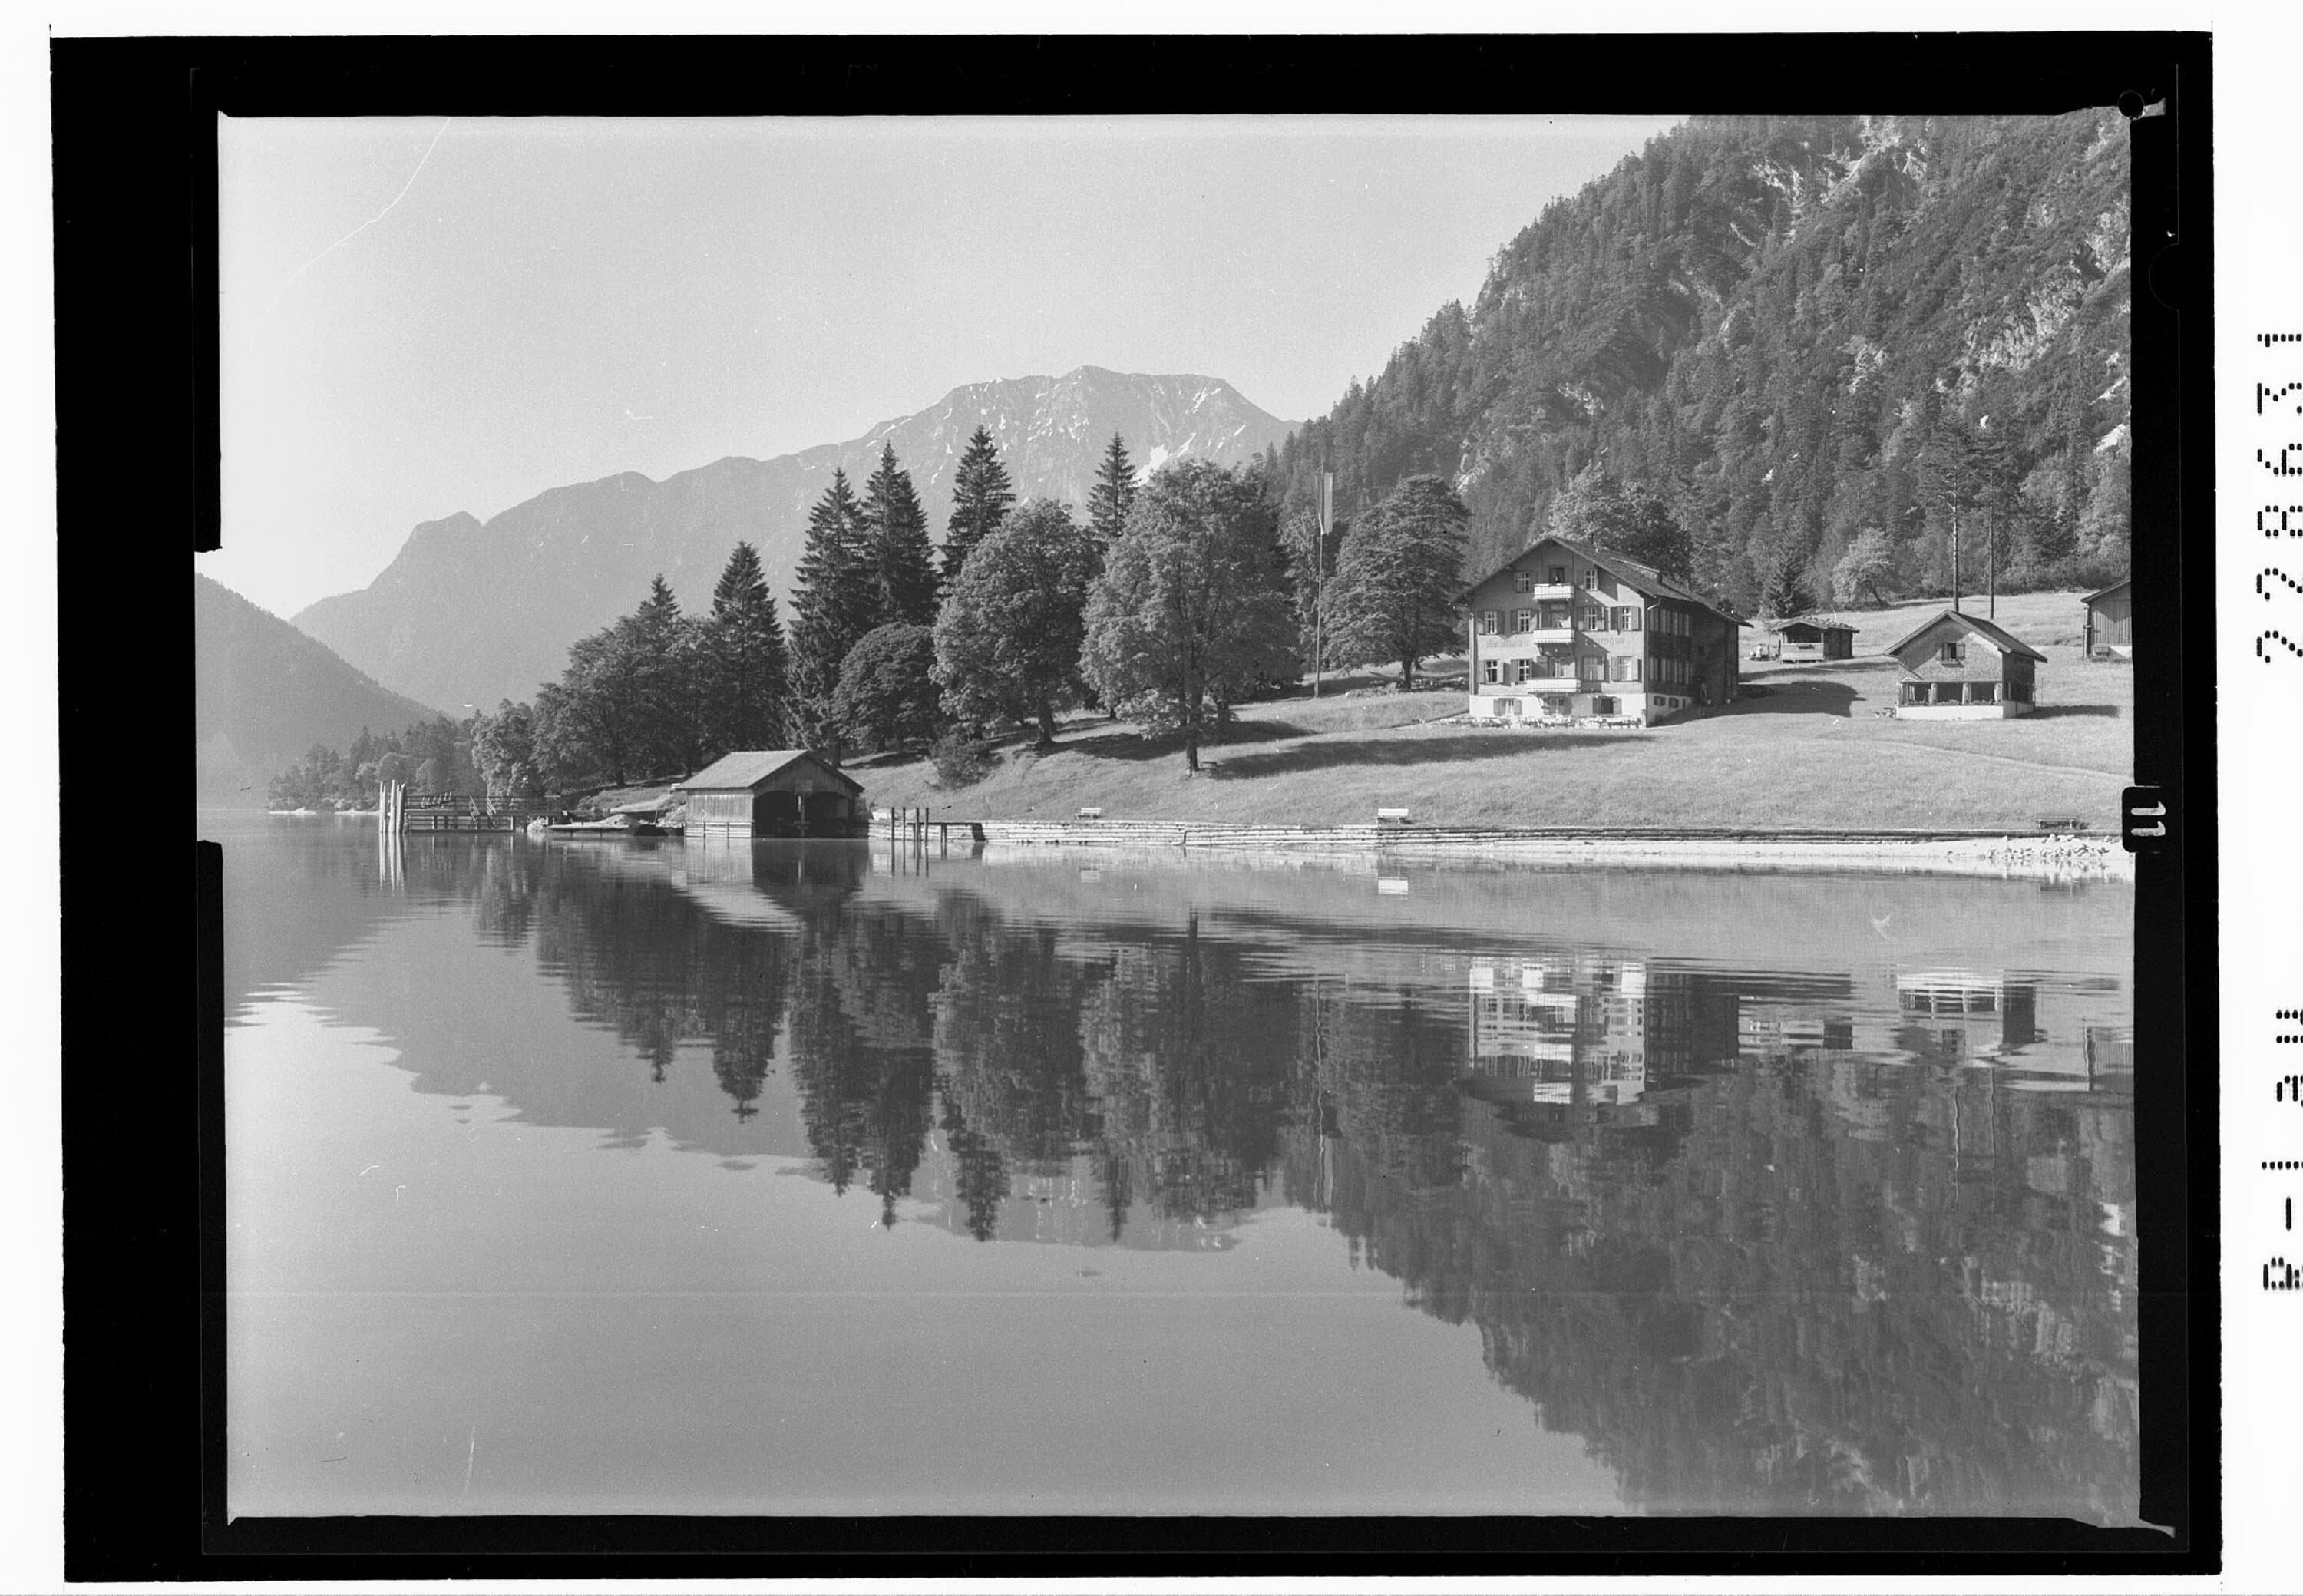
[(834, 604), (1113, 494), (1399, 575), (746, 675), (660, 656), (902, 559), (981, 499)]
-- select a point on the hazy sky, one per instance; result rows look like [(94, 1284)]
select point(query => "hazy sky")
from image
[(423, 316)]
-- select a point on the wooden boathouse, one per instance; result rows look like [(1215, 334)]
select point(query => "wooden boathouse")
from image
[(773, 792)]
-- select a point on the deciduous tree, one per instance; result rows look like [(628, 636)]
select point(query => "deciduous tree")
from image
[(1191, 612), (888, 693), (1008, 641)]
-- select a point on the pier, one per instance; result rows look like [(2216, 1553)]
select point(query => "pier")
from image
[(401, 811)]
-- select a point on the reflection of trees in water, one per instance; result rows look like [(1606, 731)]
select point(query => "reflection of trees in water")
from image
[(862, 1032), (1815, 1281), (1190, 1064), (1782, 1317)]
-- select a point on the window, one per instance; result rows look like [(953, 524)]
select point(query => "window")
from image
[(1588, 578), (1953, 653), (1951, 692), (1915, 692), (1558, 576), (1592, 667), (1983, 692), (1488, 670), (1524, 620), (1525, 671), (1522, 581), (1558, 704), (1486, 623), (1631, 619), (1603, 705), (1508, 707), (1624, 668)]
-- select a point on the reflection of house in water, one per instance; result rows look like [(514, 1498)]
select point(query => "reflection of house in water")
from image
[(2051, 1025), (1560, 1029), (1784, 1030)]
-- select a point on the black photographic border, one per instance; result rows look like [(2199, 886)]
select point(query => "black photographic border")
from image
[(134, 155)]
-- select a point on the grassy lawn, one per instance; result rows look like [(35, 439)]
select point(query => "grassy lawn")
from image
[(1810, 751)]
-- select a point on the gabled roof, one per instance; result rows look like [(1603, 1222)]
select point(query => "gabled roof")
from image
[(1646, 578), (1999, 637), (1827, 623), (2107, 592), (748, 768)]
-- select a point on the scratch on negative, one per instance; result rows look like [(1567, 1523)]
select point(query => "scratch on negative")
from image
[(471, 1451)]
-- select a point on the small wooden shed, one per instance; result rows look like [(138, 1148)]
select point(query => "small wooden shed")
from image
[(773, 792), (1813, 637), (2109, 619), (1959, 667)]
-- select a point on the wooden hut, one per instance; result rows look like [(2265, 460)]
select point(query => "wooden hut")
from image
[(1813, 637), (772, 792), (1963, 668), (2110, 613)]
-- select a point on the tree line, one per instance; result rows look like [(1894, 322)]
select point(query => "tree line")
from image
[(1175, 599)]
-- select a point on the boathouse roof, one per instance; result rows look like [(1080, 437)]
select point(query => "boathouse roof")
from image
[(746, 768)]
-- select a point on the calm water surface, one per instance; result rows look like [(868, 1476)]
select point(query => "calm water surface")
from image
[(800, 1178)]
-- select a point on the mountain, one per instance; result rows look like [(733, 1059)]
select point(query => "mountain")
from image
[(1799, 330), (263, 693), (476, 612)]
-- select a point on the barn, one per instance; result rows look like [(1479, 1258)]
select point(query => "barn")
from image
[(1959, 667), (2110, 621), (1813, 637), (773, 792)]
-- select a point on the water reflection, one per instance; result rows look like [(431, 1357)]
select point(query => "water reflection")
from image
[(1792, 1230)]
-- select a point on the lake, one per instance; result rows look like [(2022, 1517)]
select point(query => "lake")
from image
[(823, 1179)]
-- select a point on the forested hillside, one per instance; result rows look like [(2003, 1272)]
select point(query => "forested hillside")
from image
[(263, 693), (1798, 332)]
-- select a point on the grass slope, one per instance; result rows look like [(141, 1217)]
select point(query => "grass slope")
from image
[(1810, 752)]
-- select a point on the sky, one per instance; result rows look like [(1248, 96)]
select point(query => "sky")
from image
[(422, 316)]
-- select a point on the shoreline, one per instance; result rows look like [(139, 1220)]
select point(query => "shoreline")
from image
[(2046, 855)]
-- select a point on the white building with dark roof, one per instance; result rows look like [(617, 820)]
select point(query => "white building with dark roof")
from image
[(1567, 632)]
